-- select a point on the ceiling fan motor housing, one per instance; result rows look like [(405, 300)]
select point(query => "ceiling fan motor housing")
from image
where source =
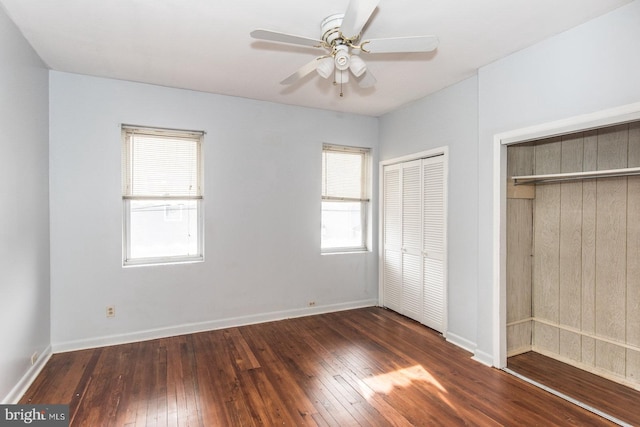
[(330, 28)]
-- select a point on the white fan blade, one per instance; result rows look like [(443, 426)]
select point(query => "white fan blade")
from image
[(366, 80), (302, 71), (357, 14), (276, 36), (401, 44)]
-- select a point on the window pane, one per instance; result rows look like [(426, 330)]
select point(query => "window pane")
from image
[(163, 228), (341, 225)]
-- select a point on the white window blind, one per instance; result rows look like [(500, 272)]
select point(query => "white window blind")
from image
[(161, 165), (343, 173)]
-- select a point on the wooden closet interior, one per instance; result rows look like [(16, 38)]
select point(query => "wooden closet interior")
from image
[(573, 250)]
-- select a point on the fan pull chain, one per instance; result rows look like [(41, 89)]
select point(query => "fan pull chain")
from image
[(335, 83)]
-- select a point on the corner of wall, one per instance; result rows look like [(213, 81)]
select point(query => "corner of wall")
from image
[(27, 379), (482, 357)]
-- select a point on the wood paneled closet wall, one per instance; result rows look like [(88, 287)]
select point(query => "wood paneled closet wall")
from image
[(573, 253)]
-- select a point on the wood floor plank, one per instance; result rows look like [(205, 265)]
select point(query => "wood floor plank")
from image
[(610, 397), (84, 387), (455, 375), (274, 385), (172, 385), (288, 374), (317, 381), (352, 402), (359, 371), (243, 356), (120, 387), (408, 372), (188, 373), (338, 371), (365, 367)]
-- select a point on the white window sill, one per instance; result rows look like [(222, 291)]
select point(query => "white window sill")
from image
[(153, 263), (346, 252)]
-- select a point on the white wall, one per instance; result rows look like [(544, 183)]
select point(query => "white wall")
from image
[(590, 68), (448, 118), (24, 219), (262, 214)]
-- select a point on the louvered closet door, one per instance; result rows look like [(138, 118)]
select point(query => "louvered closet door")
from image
[(392, 237), (412, 289), (414, 230), (433, 306)]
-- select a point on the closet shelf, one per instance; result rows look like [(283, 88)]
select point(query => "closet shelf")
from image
[(573, 176)]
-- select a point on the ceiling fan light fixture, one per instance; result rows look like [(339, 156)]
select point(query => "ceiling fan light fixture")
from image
[(357, 65), (342, 57), (325, 67)]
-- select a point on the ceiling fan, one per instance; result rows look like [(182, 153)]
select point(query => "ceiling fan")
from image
[(341, 37)]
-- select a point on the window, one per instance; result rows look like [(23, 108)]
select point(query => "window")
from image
[(162, 195), (344, 198)]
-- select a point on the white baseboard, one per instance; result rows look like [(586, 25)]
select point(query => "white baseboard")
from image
[(461, 342), (27, 379), (478, 355), (190, 328), (482, 357)]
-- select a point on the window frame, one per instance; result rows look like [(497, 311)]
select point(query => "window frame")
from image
[(364, 200), (198, 137)]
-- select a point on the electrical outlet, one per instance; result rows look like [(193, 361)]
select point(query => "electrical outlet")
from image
[(312, 303), (34, 357), (111, 311)]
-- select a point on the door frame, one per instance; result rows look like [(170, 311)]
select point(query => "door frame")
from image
[(613, 116), (439, 151)]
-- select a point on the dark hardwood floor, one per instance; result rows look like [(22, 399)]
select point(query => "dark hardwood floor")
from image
[(366, 367), (607, 396)]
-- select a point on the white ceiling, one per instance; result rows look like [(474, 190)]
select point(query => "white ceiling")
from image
[(205, 45)]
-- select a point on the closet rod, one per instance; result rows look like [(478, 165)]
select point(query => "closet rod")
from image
[(573, 176)]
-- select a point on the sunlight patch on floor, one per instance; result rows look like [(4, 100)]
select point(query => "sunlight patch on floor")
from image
[(403, 378)]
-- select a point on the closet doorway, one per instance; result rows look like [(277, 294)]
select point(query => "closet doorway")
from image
[(572, 259), (413, 237)]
